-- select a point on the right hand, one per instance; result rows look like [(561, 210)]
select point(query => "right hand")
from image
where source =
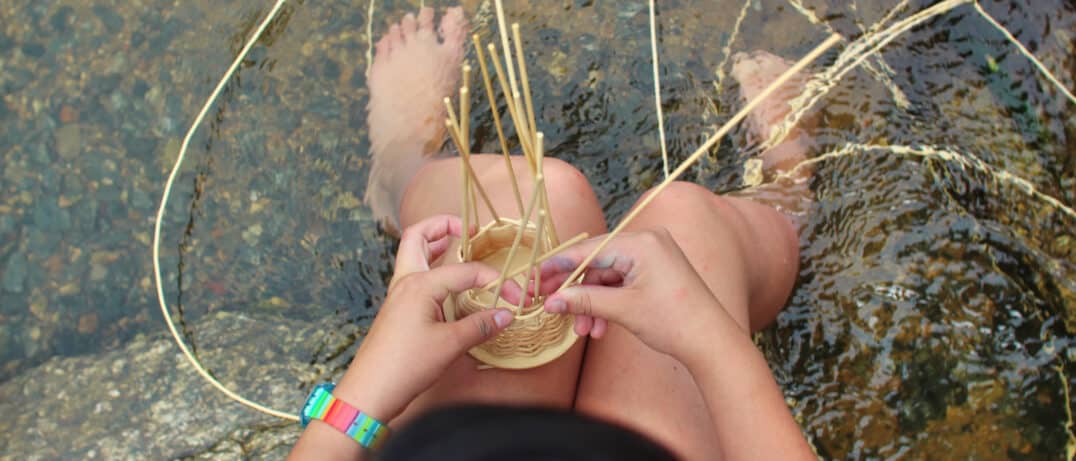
[(641, 281)]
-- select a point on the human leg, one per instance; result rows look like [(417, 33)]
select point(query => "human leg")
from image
[(411, 74), (747, 255), (746, 252)]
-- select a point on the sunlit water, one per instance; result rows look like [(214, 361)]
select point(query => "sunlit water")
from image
[(936, 306)]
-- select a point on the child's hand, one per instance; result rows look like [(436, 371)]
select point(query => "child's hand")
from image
[(409, 344), (641, 281)]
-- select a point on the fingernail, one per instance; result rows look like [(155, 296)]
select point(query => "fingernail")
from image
[(502, 318), (556, 306)]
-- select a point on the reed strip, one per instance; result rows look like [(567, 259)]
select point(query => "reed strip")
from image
[(497, 121), (465, 206), (504, 45), (523, 79), (541, 259), (524, 143), (465, 109), (524, 221), (539, 150), (534, 259), (657, 89), (465, 156)]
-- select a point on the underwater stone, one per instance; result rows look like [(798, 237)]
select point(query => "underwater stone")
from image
[(68, 141), (138, 146), (14, 273), (33, 50), (7, 224), (60, 18), (139, 199), (137, 38), (112, 20), (48, 216)]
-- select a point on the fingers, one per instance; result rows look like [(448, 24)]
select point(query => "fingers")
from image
[(476, 328), (613, 258), (455, 278), (424, 242), (606, 277), (599, 328), (589, 300), (583, 324)]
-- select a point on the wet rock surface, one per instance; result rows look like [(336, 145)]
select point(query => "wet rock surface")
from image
[(144, 401)]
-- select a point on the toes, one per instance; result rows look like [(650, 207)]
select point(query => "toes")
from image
[(426, 32), (453, 27), (425, 18), (409, 27), (395, 36), (384, 47)]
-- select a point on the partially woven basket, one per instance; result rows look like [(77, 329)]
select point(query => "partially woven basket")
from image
[(535, 337)]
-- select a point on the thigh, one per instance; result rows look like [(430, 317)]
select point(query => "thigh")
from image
[(436, 189), (747, 255)]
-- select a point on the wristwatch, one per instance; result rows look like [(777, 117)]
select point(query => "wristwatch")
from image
[(321, 404)]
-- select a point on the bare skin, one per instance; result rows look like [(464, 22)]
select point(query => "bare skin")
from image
[(745, 255)]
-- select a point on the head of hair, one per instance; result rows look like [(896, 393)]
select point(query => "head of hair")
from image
[(487, 433)]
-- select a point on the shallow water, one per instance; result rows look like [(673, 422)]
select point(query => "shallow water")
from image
[(935, 311)]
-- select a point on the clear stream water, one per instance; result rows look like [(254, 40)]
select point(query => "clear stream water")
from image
[(935, 311)]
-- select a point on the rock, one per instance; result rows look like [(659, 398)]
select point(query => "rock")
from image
[(60, 19), (137, 38), (331, 70), (252, 234), (139, 89), (16, 79), (7, 224), (40, 309), (87, 323), (33, 50), (112, 20), (163, 36), (118, 101), (144, 401), (14, 273), (49, 216), (140, 199), (68, 141), (68, 114), (50, 182), (98, 272)]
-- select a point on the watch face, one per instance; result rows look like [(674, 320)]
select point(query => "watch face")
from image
[(312, 399)]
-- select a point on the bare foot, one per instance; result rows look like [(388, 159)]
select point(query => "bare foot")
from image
[(754, 72), (413, 70)]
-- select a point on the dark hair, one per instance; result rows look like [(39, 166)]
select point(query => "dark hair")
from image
[(488, 433)]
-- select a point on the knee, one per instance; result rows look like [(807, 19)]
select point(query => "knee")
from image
[(679, 199), (565, 182)]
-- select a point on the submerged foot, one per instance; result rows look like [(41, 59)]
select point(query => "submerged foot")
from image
[(414, 68), (754, 72)]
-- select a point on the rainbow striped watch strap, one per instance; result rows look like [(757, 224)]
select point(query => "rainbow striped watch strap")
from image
[(321, 404)]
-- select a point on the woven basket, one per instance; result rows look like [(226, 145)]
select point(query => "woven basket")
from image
[(535, 337)]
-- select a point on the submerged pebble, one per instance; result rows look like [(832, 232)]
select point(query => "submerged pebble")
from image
[(14, 273)]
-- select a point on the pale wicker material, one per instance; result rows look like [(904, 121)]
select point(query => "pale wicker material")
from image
[(535, 337)]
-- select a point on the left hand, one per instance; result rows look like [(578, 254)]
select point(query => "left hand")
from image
[(410, 345)]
